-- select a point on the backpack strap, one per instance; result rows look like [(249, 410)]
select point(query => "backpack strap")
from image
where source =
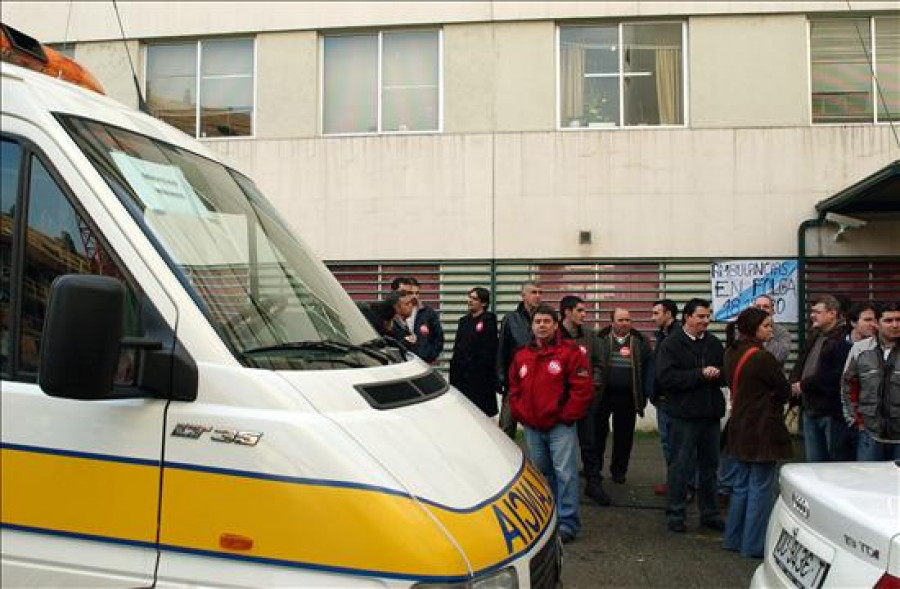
[(737, 370)]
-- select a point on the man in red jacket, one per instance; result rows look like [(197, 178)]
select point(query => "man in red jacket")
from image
[(550, 388)]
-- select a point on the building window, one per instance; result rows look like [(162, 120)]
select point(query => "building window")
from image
[(382, 82), (621, 75), (204, 88), (844, 89)]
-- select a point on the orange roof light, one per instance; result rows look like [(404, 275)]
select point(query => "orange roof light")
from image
[(18, 48)]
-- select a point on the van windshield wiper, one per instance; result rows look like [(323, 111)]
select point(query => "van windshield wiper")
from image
[(383, 342), (320, 345)]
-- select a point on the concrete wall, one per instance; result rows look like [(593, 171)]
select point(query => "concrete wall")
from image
[(108, 61), (880, 236), (96, 21), (643, 193), (748, 71), (469, 78), (287, 85), (525, 76)]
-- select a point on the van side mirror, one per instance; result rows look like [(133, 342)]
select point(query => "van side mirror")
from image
[(82, 346), (82, 335)]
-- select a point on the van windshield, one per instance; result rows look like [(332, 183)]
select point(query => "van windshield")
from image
[(273, 302)]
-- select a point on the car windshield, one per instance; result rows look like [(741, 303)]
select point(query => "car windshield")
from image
[(271, 300)]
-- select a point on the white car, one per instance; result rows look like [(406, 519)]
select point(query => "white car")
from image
[(834, 525)]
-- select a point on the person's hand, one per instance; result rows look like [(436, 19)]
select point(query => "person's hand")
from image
[(710, 373), (796, 389), (410, 338)]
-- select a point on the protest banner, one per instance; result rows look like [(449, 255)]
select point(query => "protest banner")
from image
[(736, 283)]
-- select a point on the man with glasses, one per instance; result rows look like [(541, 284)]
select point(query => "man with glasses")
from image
[(816, 379), (425, 335)]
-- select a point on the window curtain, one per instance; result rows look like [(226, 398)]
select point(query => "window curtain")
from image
[(572, 83), (668, 86)]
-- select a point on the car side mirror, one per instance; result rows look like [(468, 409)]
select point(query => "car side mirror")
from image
[(81, 338), (81, 351)]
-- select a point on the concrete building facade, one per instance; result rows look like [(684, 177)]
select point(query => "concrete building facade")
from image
[(505, 174)]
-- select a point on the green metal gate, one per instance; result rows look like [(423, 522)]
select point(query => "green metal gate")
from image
[(604, 283)]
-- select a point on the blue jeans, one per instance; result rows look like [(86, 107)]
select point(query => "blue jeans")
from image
[(553, 453), (728, 471), (868, 450), (695, 444), (750, 507), (663, 424), (826, 439)]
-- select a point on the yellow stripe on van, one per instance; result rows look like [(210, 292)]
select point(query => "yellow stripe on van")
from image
[(79, 495), (326, 525), (520, 515), (351, 527)]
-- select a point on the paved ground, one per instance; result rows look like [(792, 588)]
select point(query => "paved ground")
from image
[(628, 545)]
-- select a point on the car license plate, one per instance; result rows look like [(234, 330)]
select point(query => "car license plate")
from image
[(799, 563)]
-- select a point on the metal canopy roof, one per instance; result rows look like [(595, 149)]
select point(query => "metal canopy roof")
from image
[(877, 193)]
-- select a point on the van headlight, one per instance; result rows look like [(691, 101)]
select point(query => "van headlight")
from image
[(502, 579)]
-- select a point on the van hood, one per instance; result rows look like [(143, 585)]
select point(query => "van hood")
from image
[(443, 454), (468, 456)]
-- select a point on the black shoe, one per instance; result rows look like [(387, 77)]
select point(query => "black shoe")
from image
[(713, 524), (597, 493), (676, 526), (566, 536), (618, 478)]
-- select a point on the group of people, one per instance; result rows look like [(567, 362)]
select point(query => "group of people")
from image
[(562, 382), (847, 381), (402, 316), (565, 384)]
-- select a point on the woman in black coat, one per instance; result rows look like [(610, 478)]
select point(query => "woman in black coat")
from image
[(473, 366), (757, 437)]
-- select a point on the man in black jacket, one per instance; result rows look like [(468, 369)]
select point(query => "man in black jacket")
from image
[(664, 313), (816, 377), (473, 366), (688, 370), (515, 332), (573, 311)]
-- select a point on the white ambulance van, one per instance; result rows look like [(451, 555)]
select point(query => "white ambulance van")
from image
[(189, 398)]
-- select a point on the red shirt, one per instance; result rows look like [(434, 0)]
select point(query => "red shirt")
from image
[(550, 384)]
